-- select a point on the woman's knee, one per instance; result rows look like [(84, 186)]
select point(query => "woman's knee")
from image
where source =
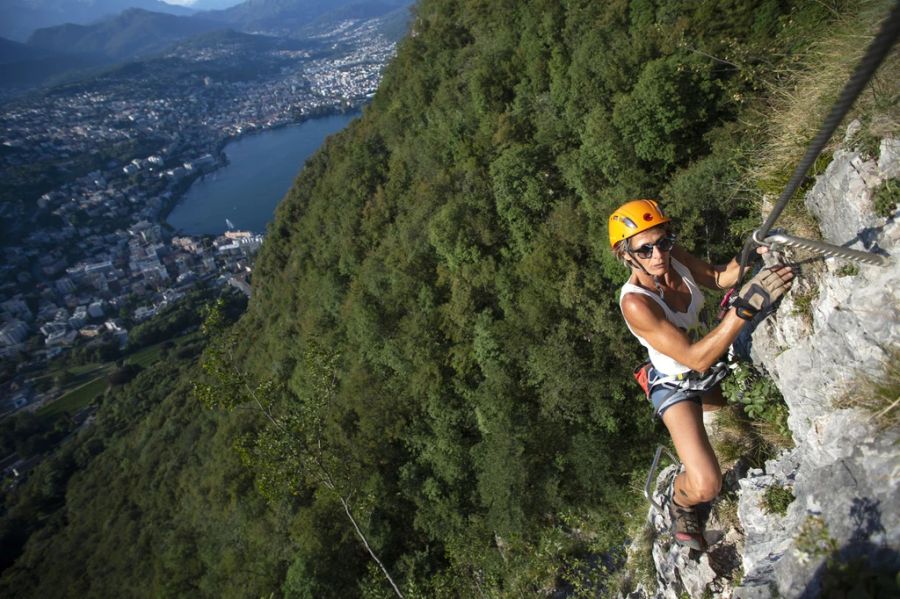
[(706, 485)]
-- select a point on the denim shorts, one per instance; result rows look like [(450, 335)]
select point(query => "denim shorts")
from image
[(663, 398)]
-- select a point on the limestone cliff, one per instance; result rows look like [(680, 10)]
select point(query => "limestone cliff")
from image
[(836, 333)]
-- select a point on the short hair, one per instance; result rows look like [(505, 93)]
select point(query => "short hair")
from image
[(620, 249)]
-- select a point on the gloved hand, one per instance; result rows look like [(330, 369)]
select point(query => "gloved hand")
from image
[(762, 291)]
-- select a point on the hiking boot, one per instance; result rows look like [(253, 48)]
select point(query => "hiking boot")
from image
[(686, 526)]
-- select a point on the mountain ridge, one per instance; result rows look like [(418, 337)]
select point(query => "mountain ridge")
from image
[(20, 18), (290, 18), (132, 33)]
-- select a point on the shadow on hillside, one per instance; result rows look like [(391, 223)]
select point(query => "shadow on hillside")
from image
[(861, 568)]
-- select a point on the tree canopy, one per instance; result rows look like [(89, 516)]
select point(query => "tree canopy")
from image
[(443, 266)]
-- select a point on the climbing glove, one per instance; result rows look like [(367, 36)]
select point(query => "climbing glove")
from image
[(762, 291)]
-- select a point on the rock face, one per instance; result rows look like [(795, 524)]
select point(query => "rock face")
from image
[(839, 327)]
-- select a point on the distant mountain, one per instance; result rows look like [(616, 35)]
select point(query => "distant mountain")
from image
[(395, 24), (213, 4), (61, 53), (20, 18), (238, 42), (361, 10), (133, 33), (292, 18), (12, 51), (23, 66), (393, 18)]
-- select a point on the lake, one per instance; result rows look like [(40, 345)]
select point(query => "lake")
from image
[(261, 169)]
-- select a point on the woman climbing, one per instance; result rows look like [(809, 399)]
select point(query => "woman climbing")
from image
[(661, 304)]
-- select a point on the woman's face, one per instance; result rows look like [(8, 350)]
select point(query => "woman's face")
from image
[(657, 262)]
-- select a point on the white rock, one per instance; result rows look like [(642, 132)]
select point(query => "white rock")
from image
[(845, 475)]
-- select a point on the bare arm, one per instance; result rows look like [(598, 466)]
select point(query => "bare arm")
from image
[(711, 276), (648, 320)]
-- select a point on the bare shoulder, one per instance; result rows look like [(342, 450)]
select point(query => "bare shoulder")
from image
[(641, 311)]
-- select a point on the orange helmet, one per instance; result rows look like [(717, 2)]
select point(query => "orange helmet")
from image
[(633, 217)]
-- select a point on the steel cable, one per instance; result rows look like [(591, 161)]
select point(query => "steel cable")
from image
[(875, 54)]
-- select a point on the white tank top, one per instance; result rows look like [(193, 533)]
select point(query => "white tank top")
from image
[(688, 320)]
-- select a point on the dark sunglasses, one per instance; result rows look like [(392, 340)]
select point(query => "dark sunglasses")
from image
[(663, 244)]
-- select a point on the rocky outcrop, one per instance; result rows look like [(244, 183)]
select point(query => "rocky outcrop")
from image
[(838, 328)]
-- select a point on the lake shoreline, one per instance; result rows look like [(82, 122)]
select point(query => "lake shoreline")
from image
[(193, 209)]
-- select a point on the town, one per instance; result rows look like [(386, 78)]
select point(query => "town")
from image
[(93, 168)]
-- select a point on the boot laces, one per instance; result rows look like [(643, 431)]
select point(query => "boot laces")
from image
[(686, 519)]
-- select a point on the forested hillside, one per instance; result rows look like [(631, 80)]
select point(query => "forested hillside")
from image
[(433, 370)]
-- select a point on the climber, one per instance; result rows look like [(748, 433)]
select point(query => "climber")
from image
[(661, 303)]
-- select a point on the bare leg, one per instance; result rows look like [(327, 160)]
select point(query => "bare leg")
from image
[(713, 399), (702, 477)]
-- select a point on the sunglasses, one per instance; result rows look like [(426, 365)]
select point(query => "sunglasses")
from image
[(664, 244)]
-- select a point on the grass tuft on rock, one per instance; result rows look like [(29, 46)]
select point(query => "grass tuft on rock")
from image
[(777, 499), (877, 394)]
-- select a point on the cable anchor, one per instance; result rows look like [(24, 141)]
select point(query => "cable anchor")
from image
[(821, 247)]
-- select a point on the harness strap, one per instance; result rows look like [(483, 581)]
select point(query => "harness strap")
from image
[(686, 388), (689, 381)]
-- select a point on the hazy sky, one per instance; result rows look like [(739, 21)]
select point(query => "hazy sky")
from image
[(206, 4)]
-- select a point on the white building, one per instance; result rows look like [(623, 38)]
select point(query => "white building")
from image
[(79, 318), (95, 309), (61, 338)]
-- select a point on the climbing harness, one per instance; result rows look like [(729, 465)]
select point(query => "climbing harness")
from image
[(866, 68), (689, 384), (691, 381), (681, 385), (642, 376)]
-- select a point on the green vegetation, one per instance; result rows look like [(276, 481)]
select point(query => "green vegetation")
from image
[(776, 499), (87, 382), (854, 577), (725, 509), (886, 198), (30, 507), (847, 270), (640, 567), (74, 400), (88, 371), (28, 435), (814, 539), (431, 383), (878, 394), (30, 181), (186, 313), (150, 441), (803, 299), (756, 422)]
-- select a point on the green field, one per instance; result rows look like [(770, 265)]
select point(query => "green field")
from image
[(76, 399), (90, 380)]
